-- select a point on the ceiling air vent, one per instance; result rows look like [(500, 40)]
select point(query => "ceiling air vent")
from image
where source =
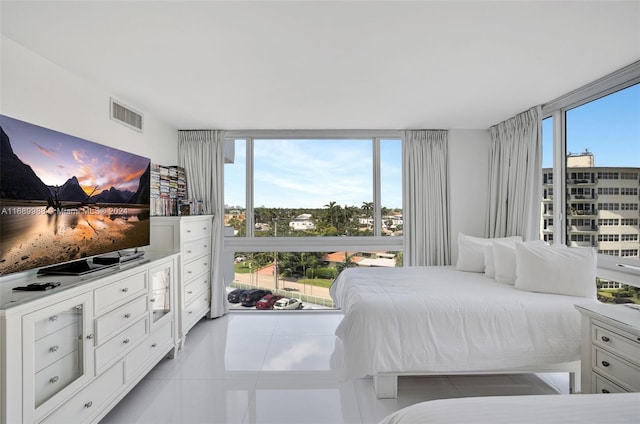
[(126, 116)]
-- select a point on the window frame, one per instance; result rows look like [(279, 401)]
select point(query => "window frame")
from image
[(624, 270), (316, 244)]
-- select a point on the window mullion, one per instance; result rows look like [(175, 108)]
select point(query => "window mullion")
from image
[(377, 202), (249, 212)]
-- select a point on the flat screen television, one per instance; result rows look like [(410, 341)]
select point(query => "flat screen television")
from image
[(66, 202)]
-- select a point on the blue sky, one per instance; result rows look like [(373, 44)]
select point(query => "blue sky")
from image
[(297, 174), (608, 127)]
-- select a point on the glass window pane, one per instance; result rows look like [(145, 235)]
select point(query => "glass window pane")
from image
[(235, 186), (546, 227), (390, 187), (603, 174), (313, 187)]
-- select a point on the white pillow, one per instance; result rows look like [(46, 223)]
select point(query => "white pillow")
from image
[(471, 251), (489, 262), (504, 257), (559, 270)]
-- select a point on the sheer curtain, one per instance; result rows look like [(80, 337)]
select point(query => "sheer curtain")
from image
[(201, 153), (515, 176), (426, 224)]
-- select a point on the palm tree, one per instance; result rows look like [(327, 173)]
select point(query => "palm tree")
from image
[(331, 212)]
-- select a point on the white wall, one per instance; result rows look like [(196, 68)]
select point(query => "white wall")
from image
[(469, 176), (38, 91)]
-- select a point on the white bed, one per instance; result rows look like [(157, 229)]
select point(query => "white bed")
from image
[(622, 408), (438, 320)]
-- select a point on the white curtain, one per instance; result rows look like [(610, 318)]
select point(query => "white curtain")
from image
[(427, 234), (201, 153), (515, 176)]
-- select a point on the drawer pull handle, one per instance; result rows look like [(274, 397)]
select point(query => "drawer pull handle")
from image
[(605, 339), (189, 292), (90, 336), (605, 391), (125, 341), (190, 312), (204, 228), (153, 299), (53, 318), (53, 348), (605, 364), (188, 231), (127, 315), (205, 246), (189, 272), (88, 404), (54, 379), (124, 290), (154, 345), (188, 251)]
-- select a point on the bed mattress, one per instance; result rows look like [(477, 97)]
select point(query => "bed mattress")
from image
[(438, 319)]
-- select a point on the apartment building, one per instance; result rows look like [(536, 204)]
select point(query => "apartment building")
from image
[(603, 206)]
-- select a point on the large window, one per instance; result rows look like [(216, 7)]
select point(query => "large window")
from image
[(595, 134), (300, 207)]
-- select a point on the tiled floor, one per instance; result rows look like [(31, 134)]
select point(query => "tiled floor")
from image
[(271, 367)]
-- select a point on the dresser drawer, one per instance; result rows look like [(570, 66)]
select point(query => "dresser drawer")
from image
[(195, 310), (51, 380), (619, 342), (150, 350), (120, 292), (196, 229), (55, 346), (605, 386), (57, 321), (615, 368), (120, 344), (113, 322), (196, 267), (196, 248), (91, 400), (195, 288)]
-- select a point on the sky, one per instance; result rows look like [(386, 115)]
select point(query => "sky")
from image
[(297, 174), (608, 127), (55, 157)]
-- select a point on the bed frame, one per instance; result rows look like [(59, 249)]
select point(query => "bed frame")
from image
[(386, 384)]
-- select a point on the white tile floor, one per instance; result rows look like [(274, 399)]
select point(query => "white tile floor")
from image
[(271, 367)]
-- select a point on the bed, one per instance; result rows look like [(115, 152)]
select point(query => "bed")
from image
[(549, 409), (440, 320)]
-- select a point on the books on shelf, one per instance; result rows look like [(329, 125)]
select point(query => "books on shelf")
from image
[(169, 192)]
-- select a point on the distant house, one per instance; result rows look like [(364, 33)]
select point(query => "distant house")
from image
[(302, 223)]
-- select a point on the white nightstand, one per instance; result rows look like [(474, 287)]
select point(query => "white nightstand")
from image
[(610, 348)]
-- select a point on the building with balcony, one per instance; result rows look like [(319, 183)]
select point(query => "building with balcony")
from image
[(602, 206)]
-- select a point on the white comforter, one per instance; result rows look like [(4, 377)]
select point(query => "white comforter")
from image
[(622, 408), (438, 319)]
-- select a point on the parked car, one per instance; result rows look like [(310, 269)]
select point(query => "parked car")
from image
[(268, 301), (251, 297), (234, 296), (288, 303)]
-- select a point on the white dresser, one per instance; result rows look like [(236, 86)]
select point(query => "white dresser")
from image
[(71, 353), (610, 348), (191, 237)]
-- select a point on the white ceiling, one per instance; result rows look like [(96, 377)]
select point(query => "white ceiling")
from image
[(331, 64)]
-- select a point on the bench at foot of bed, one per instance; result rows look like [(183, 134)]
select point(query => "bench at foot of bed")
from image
[(386, 384)]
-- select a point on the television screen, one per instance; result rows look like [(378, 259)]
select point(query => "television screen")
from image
[(63, 198)]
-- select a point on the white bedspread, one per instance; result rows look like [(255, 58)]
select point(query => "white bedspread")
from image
[(438, 319), (615, 408)]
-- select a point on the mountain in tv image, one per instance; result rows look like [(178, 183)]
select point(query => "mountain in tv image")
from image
[(63, 198), (18, 181)]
